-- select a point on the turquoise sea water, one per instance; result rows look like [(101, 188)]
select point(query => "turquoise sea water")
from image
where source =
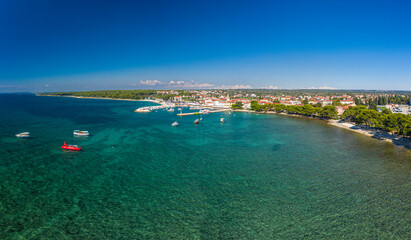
[(253, 177)]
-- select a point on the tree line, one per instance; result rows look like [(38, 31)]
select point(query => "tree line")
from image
[(383, 100), (305, 110), (394, 123), (391, 122), (120, 94)]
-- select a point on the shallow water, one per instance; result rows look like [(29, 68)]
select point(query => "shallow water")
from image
[(252, 177)]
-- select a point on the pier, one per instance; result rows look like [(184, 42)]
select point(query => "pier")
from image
[(198, 113)]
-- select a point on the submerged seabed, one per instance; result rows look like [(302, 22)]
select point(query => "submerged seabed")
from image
[(253, 177)]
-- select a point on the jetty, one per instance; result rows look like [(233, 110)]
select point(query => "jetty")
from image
[(151, 108), (198, 113)]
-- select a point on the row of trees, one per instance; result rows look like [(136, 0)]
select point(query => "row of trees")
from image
[(121, 94), (383, 100), (391, 122), (305, 110)]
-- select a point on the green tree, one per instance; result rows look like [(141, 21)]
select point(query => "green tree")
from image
[(317, 111), (390, 122), (386, 111), (403, 124), (351, 113), (279, 108), (256, 107), (308, 110), (237, 105), (319, 104), (337, 102), (328, 112)]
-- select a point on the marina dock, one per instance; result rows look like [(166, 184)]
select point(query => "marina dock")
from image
[(198, 113)]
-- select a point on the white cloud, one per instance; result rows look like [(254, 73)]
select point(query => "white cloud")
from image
[(241, 86), (323, 87), (271, 87), (151, 82), (191, 84), (198, 85)]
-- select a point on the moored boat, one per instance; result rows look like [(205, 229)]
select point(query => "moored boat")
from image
[(70, 147), (80, 133), (23, 135), (175, 124), (204, 111), (222, 120), (197, 121)]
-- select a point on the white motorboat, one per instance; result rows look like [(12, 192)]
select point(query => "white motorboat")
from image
[(222, 120), (170, 109), (80, 133), (204, 111), (175, 124), (23, 135)]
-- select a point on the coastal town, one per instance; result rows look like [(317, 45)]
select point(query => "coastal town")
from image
[(380, 115), (242, 99)]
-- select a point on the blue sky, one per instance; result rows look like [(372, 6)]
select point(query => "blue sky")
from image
[(85, 45)]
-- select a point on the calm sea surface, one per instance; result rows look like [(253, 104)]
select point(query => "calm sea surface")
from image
[(253, 177)]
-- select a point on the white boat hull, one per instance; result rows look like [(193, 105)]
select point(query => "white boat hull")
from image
[(81, 133), (23, 135)]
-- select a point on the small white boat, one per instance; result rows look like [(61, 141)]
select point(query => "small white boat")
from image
[(80, 133), (23, 135), (179, 109), (197, 121), (204, 111), (170, 109), (175, 124), (222, 120)]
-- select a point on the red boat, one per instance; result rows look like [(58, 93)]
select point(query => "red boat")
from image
[(70, 147), (196, 121)]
